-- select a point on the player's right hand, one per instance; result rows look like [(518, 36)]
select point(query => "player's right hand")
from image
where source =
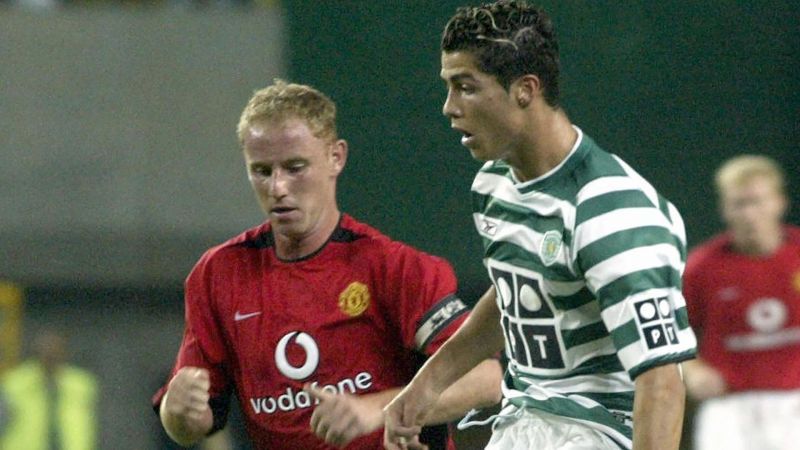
[(404, 417), (188, 394), (703, 381)]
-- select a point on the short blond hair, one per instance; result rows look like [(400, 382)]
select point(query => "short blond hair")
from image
[(283, 101), (742, 169)]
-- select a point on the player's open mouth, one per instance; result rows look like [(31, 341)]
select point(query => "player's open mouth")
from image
[(282, 211), (466, 137)]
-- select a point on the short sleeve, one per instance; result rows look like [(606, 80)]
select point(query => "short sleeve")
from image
[(632, 260), (202, 344), (420, 290)]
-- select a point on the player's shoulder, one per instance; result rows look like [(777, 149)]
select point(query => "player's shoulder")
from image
[(255, 237), (371, 240), (792, 235), (709, 252), (595, 162), (600, 172), (607, 179)]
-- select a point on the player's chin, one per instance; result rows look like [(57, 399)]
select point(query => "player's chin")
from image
[(480, 154)]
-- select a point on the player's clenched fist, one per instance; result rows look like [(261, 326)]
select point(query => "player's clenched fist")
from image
[(185, 412)]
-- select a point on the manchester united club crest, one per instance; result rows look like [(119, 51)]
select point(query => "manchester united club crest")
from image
[(354, 300)]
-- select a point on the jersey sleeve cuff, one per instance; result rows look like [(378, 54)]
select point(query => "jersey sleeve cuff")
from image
[(672, 358)]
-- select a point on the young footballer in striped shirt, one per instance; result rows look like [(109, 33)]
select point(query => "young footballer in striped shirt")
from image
[(584, 255)]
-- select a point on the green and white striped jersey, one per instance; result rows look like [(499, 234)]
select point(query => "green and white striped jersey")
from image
[(587, 262)]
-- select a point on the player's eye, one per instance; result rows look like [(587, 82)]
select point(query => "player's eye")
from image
[(296, 168), (261, 171), (466, 88)]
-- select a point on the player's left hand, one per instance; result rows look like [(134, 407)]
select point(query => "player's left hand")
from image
[(340, 418)]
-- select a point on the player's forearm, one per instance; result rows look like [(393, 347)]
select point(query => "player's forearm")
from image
[(374, 404), (479, 338), (479, 388), (658, 409), (182, 429)]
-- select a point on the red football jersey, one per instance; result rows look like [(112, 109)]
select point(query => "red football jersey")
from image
[(355, 317), (747, 311)]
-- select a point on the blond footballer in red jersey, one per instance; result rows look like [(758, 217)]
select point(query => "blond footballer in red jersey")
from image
[(312, 319), (742, 289)]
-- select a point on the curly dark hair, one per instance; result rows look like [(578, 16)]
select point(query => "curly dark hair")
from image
[(509, 38)]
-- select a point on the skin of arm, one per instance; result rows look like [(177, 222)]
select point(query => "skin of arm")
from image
[(702, 380), (184, 411), (340, 418), (658, 409), (480, 338)]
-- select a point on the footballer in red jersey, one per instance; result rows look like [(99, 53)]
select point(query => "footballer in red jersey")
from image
[(743, 293), (312, 319)]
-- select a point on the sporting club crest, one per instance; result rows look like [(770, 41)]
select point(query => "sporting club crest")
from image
[(550, 247)]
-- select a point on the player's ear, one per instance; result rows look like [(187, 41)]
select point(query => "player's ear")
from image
[(525, 89), (338, 156)]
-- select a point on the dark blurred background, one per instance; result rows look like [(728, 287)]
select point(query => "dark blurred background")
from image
[(120, 164)]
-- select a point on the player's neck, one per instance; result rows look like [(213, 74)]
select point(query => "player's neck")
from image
[(291, 248), (765, 244), (545, 144)]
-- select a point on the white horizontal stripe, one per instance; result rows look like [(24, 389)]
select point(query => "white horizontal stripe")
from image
[(563, 288), (617, 220), (617, 382), (592, 349), (644, 185), (607, 382), (640, 258), (606, 185), (517, 234), (678, 227), (502, 188), (579, 317)]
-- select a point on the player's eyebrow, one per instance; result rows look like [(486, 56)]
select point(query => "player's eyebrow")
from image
[(459, 77), (292, 161)]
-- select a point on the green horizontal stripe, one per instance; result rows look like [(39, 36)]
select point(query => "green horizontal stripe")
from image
[(622, 401), (638, 281), (604, 364), (599, 164), (496, 208), (663, 205), (576, 300), (569, 408), (621, 241), (611, 201), (584, 334), (625, 334), (510, 253), (497, 168)]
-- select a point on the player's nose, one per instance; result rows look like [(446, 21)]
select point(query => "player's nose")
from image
[(450, 109), (278, 186)]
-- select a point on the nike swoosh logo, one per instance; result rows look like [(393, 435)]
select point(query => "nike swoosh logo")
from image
[(239, 316)]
